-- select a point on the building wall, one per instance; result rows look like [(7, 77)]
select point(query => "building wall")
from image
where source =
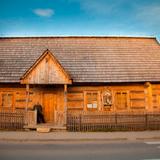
[(122, 98), (107, 98), (14, 97)]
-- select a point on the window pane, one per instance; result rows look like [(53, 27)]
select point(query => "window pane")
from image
[(10, 100), (95, 104), (91, 100), (4, 100), (89, 105), (7, 100), (118, 99), (94, 97), (124, 100)]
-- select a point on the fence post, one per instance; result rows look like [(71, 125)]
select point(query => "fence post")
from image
[(35, 117), (146, 121), (116, 118), (67, 121), (80, 121)]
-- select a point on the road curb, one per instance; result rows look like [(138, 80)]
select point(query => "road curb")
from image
[(55, 140), (149, 138), (76, 139)]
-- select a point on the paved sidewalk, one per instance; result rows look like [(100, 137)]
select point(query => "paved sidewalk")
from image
[(77, 136)]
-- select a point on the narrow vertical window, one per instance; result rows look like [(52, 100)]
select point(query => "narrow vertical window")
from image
[(121, 100), (92, 100), (7, 100)]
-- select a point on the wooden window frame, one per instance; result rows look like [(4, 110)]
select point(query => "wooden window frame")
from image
[(12, 100), (157, 98), (86, 100), (109, 99), (127, 100)]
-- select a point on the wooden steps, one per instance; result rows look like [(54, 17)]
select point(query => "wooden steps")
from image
[(45, 128)]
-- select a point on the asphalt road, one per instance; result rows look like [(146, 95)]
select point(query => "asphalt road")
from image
[(98, 150)]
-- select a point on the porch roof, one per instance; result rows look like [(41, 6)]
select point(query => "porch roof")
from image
[(46, 70)]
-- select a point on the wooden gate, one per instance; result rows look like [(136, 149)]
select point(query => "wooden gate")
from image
[(49, 103)]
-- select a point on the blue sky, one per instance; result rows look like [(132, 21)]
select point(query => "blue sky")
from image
[(80, 17)]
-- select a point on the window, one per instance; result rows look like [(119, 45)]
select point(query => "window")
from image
[(156, 101), (121, 100), (92, 100), (107, 98), (7, 100)]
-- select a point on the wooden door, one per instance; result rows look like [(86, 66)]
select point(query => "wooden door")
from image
[(50, 102)]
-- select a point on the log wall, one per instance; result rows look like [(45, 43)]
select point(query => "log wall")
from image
[(137, 97), (123, 98), (36, 94)]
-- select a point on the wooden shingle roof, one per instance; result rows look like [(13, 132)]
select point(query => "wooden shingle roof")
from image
[(86, 59)]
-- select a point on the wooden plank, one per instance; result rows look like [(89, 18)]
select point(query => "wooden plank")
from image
[(49, 104), (65, 104), (75, 96), (46, 70), (27, 96), (149, 96), (75, 104), (137, 95)]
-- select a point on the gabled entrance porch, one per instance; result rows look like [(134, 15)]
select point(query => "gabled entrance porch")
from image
[(48, 80)]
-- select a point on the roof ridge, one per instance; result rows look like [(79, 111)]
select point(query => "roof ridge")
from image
[(86, 36)]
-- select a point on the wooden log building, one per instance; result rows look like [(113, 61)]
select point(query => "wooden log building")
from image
[(69, 74)]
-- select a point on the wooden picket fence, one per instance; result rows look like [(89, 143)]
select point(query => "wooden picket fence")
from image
[(17, 119), (12, 119), (96, 121), (87, 121), (30, 118)]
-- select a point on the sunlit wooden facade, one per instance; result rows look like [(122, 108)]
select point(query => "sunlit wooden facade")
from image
[(61, 87)]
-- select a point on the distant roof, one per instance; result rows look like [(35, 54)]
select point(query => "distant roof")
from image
[(86, 59)]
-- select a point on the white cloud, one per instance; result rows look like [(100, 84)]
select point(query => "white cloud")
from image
[(44, 12), (102, 7), (97, 7), (148, 16)]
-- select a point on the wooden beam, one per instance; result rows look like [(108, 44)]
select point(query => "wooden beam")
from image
[(65, 104), (27, 96), (149, 99)]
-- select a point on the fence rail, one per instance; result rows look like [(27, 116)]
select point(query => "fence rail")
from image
[(113, 122)]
